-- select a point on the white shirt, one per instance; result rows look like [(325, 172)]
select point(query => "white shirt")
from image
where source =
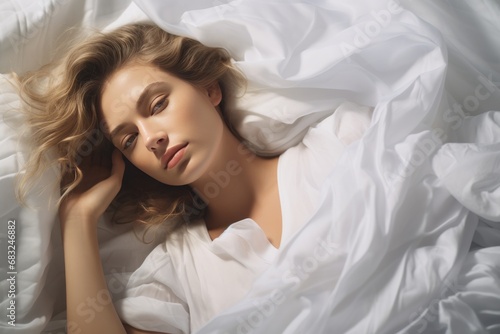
[(188, 279)]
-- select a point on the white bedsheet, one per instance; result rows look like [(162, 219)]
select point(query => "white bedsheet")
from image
[(410, 217)]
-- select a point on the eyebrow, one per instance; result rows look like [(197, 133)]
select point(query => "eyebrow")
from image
[(141, 104), (116, 131), (146, 93)]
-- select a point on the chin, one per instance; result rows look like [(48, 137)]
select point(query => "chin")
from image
[(182, 175)]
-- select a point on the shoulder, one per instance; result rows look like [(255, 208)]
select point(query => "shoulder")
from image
[(154, 292)]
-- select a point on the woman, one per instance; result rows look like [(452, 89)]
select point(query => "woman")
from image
[(161, 101)]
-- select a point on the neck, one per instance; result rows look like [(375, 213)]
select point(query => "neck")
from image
[(234, 184)]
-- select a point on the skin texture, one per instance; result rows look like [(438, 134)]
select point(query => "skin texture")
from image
[(174, 113)]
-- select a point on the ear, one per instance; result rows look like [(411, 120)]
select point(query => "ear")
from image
[(214, 93)]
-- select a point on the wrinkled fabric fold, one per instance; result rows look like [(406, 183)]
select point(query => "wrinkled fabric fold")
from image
[(399, 212), (406, 236)]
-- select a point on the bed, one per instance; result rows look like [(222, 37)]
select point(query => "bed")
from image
[(410, 219)]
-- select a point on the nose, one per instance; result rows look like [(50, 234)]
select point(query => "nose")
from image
[(154, 138)]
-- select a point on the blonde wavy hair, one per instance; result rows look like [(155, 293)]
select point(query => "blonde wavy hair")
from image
[(62, 106)]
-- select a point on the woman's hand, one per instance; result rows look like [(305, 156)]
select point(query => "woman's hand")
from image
[(79, 213), (99, 185)]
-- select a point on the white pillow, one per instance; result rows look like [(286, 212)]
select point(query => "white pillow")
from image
[(29, 33), (34, 225)]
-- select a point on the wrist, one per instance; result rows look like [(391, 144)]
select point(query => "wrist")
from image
[(79, 223)]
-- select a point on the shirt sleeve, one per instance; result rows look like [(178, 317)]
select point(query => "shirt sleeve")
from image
[(153, 299)]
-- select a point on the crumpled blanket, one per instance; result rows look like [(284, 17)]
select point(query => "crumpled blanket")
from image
[(406, 239)]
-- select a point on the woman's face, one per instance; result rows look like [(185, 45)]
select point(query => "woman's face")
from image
[(165, 126)]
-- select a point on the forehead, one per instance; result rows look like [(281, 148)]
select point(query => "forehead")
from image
[(123, 88), (127, 83)]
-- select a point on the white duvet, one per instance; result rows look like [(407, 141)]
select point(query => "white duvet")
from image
[(410, 217)]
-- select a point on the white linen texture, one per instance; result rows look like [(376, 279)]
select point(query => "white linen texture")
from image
[(405, 237)]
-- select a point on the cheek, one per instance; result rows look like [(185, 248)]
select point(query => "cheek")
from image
[(209, 120), (201, 111), (139, 159)]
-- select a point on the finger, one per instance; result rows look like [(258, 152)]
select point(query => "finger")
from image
[(118, 167), (109, 188), (114, 181)]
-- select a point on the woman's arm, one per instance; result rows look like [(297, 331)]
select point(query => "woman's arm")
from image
[(88, 301)]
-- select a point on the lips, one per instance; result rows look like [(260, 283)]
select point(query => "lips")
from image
[(167, 160)]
